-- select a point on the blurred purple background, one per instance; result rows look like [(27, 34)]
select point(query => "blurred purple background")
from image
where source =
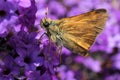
[(23, 56)]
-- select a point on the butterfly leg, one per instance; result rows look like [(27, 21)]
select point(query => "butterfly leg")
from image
[(59, 49)]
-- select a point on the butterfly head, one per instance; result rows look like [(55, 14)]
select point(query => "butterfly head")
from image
[(46, 22)]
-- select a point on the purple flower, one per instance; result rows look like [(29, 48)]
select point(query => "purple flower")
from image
[(116, 60), (32, 75), (29, 58), (66, 51), (51, 58), (40, 14), (6, 78), (8, 16), (65, 74), (70, 2), (57, 10), (46, 76), (74, 11), (27, 16), (101, 43), (9, 69), (86, 5), (5, 8), (27, 49), (79, 59), (113, 77), (41, 10), (35, 75), (24, 3), (92, 64), (40, 4)]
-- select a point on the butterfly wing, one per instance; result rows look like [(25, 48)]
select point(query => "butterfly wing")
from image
[(79, 32)]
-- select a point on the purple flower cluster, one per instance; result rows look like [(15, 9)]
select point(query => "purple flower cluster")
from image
[(27, 54), (23, 56)]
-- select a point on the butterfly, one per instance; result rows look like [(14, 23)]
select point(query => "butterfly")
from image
[(77, 33)]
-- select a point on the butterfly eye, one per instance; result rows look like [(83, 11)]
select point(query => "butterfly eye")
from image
[(46, 24)]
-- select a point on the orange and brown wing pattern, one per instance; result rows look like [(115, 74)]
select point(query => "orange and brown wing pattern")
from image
[(79, 32)]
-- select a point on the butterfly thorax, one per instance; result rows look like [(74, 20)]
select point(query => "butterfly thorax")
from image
[(52, 28)]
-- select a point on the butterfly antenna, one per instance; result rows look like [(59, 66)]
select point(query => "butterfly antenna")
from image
[(46, 13)]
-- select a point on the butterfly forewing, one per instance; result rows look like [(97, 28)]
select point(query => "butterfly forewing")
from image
[(79, 32)]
